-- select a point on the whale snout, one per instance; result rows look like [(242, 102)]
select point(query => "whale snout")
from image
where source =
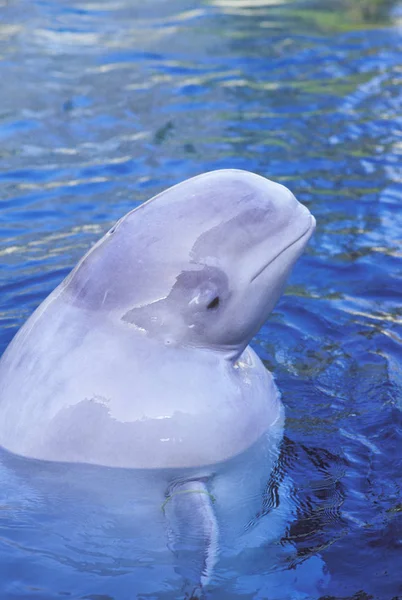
[(304, 220), (313, 223), (294, 219), (288, 231)]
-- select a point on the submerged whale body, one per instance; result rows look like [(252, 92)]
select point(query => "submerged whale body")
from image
[(139, 359)]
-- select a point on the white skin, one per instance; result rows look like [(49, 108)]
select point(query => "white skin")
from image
[(140, 357)]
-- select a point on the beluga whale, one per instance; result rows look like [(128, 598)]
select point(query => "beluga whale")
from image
[(140, 358)]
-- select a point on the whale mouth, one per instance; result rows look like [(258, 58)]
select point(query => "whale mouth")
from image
[(307, 232)]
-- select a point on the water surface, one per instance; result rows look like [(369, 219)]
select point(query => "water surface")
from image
[(105, 103)]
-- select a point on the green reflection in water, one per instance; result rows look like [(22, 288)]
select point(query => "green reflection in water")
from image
[(325, 16)]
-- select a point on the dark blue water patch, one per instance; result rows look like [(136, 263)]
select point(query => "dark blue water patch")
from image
[(37, 175), (26, 282), (192, 90), (131, 57), (17, 126)]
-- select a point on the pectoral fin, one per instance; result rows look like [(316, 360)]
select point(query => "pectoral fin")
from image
[(192, 532)]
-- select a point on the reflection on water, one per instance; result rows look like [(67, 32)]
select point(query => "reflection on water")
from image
[(105, 103)]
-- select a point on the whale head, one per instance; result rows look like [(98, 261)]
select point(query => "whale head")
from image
[(201, 265)]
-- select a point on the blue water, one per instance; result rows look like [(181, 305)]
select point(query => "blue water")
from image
[(105, 103)]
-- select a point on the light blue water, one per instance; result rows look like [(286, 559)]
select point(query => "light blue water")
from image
[(102, 105)]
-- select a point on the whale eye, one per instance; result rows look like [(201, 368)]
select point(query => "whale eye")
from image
[(214, 303)]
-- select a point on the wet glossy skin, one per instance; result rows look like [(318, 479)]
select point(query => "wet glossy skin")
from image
[(139, 358)]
